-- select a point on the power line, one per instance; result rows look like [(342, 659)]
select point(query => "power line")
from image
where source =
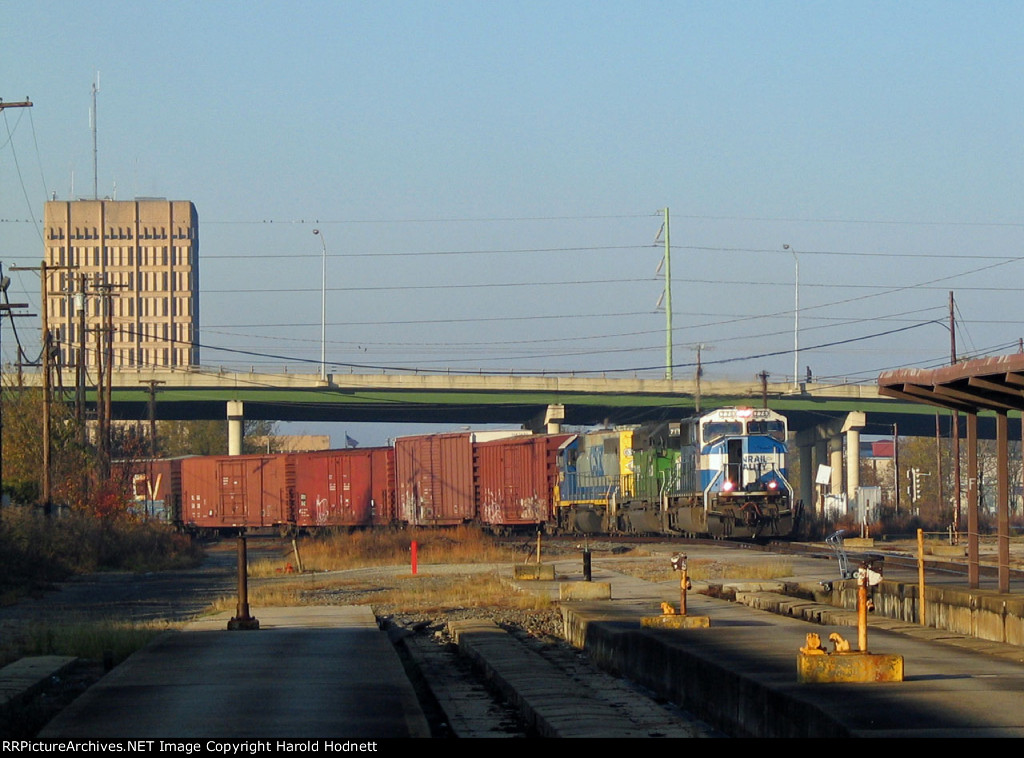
[(849, 253), (424, 253)]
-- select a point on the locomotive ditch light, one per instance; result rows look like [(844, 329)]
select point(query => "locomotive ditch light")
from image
[(727, 486)]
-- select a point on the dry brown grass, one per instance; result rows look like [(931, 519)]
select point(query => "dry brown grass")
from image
[(702, 569), (88, 639), (423, 593), (35, 549), (337, 552)]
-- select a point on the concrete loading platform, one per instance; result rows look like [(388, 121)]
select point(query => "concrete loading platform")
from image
[(740, 675), (313, 672)]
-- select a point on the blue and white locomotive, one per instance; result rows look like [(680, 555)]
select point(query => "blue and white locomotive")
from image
[(722, 473), (738, 486)]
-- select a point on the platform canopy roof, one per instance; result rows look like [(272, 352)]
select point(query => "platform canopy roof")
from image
[(985, 384)]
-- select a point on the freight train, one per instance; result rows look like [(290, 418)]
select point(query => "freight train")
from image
[(722, 474)]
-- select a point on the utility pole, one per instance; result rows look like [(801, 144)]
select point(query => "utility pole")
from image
[(26, 103), (698, 375), (102, 438), (81, 362), (47, 348), (5, 308), (763, 376), (666, 296), (45, 488), (668, 300), (956, 429), (105, 361), (896, 466), (152, 415)]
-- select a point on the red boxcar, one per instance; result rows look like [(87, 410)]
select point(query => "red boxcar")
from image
[(225, 491), (434, 479), (351, 487), (515, 479), (155, 487)]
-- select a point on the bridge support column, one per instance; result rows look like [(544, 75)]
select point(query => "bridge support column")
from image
[(835, 457), (852, 463), (827, 441), (854, 423), (807, 475), (236, 417), (820, 459), (549, 421)]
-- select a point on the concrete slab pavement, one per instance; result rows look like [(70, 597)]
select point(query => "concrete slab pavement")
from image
[(314, 672)]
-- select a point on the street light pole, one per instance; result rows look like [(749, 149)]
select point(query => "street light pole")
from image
[(796, 318), (323, 306)]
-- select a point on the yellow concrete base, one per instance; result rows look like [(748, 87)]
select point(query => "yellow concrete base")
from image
[(676, 622), (534, 571), (584, 591), (848, 668)]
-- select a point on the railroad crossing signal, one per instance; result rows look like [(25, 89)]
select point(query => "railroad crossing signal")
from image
[(914, 475)]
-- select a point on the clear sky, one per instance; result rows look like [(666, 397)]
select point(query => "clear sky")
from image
[(487, 177)]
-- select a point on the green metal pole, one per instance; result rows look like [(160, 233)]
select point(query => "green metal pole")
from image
[(668, 301)]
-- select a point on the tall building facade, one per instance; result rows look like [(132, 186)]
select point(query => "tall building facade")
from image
[(132, 266)]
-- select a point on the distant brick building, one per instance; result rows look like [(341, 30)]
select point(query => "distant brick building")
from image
[(144, 254)]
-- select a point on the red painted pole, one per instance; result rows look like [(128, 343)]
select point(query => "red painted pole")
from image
[(414, 547)]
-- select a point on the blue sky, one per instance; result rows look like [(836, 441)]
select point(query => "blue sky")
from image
[(511, 159)]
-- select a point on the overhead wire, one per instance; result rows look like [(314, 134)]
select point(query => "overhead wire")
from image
[(884, 290), (21, 179), (39, 157)]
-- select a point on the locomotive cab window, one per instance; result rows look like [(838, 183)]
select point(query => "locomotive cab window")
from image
[(774, 429), (719, 429)]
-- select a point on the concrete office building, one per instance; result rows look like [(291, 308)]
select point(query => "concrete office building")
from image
[(140, 259)]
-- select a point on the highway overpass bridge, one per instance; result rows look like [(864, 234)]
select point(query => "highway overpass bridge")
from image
[(827, 418), (199, 393)]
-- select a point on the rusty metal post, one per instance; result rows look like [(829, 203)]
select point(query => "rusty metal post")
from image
[(1003, 503), (538, 547), (679, 564), (920, 578), (414, 550), (242, 610), (862, 612), (242, 619), (973, 565)]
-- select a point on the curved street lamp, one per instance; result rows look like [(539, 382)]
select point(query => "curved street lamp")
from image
[(323, 307)]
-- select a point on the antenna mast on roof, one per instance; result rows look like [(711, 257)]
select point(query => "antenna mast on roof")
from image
[(95, 176)]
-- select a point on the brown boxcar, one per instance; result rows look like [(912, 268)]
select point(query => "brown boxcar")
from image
[(227, 491), (351, 487), (434, 479), (515, 479)]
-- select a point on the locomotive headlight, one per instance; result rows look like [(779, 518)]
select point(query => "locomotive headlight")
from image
[(727, 486), (773, 485)]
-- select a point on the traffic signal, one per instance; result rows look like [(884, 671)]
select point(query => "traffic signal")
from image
[(914, 489)]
